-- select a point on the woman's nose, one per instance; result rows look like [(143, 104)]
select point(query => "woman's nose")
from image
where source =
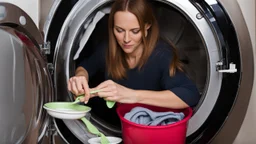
[(127, 37)]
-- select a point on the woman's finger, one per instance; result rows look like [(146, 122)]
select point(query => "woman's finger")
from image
[(74, 88), (82, 99), (93, 94), (105, 89), (69, 85), (113, 98), (105, 84), (79, 87), (106, 94), (86, 91)]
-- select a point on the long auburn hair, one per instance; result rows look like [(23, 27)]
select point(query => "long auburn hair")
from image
[(115, 57)]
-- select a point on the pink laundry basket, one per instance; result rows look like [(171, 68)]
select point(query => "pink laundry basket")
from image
[(133, 133)]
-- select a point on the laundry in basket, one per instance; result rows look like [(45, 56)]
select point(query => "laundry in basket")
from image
[(144, 116)]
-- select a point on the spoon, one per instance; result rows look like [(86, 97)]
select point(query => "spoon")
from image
[(82, 95), (110, 104), (92, 129), (77, 99)]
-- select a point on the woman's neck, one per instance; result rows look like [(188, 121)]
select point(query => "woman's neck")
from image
[(133, 58)]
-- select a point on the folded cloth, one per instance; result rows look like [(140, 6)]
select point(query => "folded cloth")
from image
[(145, 116)]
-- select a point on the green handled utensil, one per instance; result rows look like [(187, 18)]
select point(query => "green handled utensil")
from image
[(82, 95), (92, 129), (77, 99), (110, 104), (94, 91)]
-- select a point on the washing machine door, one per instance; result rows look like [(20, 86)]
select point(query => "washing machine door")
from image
[(25, 82), (228, 23)]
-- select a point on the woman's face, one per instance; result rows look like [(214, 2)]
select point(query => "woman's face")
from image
[(127, 32)]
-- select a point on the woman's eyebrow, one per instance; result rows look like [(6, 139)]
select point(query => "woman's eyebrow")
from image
[(124, 29), (135, 29), (118, 27)]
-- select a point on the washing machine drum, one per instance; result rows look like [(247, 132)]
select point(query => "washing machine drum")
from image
[(202, 32)]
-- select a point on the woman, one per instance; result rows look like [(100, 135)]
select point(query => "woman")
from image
[(140, 68)]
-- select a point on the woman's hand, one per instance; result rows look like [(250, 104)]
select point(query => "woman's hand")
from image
[(78, 85), (109, 90)]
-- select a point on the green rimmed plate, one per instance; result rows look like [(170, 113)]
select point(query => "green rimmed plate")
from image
[(66, 110)]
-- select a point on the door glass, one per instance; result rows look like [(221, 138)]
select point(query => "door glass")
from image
[(17, 102), (24, 86)]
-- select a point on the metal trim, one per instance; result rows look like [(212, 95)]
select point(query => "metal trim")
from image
[(14, 16), (235, 119)]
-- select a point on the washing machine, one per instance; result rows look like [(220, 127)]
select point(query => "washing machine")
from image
[(213, 43)]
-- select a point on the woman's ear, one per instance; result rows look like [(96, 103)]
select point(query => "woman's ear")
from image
[(147, 27)]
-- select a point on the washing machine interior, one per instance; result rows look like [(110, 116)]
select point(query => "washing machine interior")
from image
[(173, 26)]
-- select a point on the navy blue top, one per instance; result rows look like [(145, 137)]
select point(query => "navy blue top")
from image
[(154, 75)]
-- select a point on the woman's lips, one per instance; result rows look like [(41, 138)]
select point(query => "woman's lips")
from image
[(127, 46)]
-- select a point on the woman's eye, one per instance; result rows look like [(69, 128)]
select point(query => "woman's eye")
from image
[(135, 31), (119, 30)]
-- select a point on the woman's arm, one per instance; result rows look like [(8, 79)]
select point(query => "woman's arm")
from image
[(78, 84), (164, 98), (112, 91), (80, 71)]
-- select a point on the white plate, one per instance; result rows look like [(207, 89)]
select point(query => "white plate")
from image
[(112, 140), (66, 113)]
